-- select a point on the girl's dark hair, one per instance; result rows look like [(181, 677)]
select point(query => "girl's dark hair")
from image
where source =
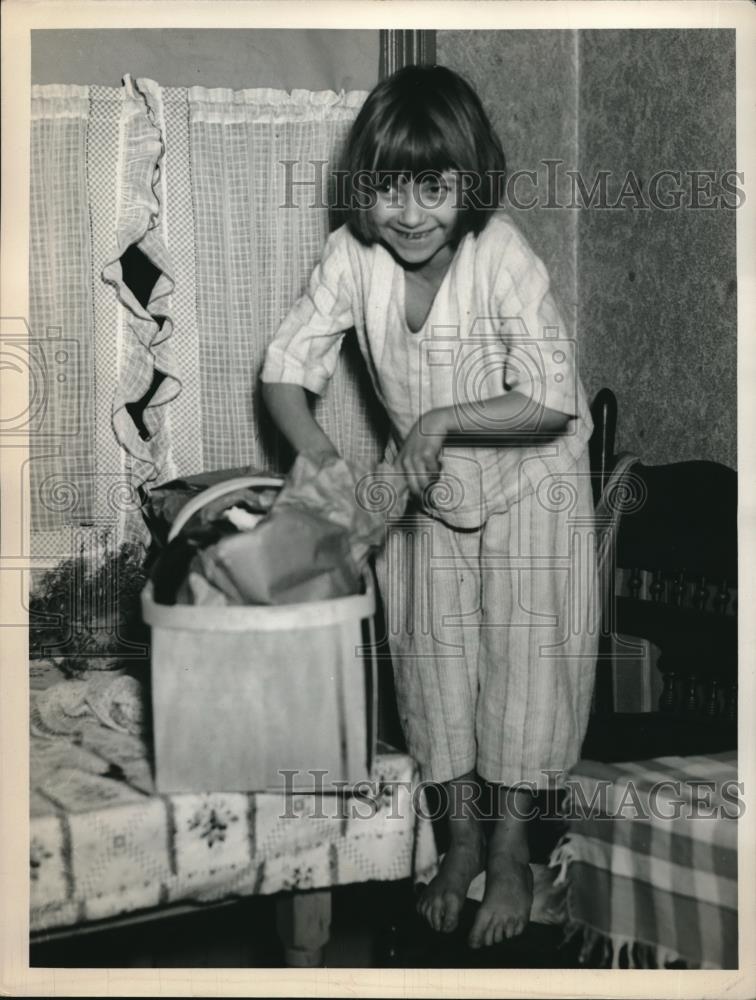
[(423, 118)]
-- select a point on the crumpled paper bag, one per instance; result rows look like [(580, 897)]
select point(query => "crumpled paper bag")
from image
[(341, 491), (313, 545), (293, 555)]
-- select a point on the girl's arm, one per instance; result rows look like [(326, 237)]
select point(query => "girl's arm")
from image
[(303, 355), (288, 406), (502, 421)]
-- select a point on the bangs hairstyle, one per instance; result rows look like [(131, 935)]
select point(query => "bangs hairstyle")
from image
[(423, 119)]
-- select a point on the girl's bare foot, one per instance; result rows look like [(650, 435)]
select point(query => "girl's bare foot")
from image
[(441, 902), (508, 897)]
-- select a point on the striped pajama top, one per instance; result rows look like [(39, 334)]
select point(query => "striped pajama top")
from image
[(493, 327)]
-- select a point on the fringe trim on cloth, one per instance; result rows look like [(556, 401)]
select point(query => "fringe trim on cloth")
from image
[(601, 949), (140, 220), (560, 858)]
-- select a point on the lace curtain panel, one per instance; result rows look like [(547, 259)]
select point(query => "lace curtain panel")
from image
[(166, 246)]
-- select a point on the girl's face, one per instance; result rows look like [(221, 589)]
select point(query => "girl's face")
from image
[(417, 218)]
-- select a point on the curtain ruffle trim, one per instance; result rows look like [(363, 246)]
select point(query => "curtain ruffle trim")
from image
[(223, 106), (278, 98), (57, 100), (151, 325)]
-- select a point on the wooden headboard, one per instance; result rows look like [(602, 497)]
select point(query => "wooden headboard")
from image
[(673, 583)]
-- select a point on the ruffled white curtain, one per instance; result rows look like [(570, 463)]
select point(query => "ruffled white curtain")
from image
[(166, 241)]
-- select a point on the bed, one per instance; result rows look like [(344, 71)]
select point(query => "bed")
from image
[(649, 861), (104, 845)]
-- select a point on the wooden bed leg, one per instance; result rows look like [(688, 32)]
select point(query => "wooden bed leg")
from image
[(303, 920)]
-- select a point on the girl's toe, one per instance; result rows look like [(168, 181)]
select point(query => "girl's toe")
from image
[(450, 917), (481, 933), (436, 917), (475, 939)]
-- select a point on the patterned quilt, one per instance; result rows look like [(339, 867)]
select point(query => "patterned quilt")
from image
[(103, 843)]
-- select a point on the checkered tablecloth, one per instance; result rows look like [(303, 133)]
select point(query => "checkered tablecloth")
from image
[(103, 843), (650, 861)]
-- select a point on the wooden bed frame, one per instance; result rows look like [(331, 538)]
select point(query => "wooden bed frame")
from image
[(672, 581)]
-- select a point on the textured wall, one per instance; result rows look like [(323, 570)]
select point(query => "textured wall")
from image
[(654, 291), (657, 289), (527, 81)]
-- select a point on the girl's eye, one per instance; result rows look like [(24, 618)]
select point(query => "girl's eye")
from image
[(434, 189), (385, 186)]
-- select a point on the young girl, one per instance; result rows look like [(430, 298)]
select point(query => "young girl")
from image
[(492, 629)]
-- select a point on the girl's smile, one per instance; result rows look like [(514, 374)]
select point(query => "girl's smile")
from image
[(417, 220), (410, 235)]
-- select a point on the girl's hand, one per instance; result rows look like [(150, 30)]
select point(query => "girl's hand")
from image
[(419, 455)]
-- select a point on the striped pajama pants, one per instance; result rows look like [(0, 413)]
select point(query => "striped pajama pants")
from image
[(493, 636)]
